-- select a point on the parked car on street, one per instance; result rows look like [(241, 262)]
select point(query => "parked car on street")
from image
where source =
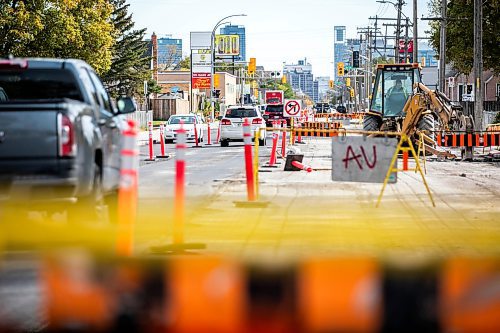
[(341, 109), (231, 125), (188, 121), (60, 137)]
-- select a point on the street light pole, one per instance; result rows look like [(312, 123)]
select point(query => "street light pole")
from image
[(212, 65)]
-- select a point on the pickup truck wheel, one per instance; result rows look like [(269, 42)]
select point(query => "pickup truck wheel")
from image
[(224, 143), (91, 208)]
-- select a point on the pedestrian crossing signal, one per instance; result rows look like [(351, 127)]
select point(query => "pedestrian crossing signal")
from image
[(340, 69)]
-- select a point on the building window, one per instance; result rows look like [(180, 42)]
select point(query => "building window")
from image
[(340, 35)]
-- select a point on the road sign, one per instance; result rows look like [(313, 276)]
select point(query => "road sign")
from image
[(362, 159), (292, 108)]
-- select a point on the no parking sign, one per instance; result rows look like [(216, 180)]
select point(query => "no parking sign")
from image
[(292, 108)]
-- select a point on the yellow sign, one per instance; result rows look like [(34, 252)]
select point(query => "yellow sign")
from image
[(348, 81), (227, 45), (340, 69), (252, 66)]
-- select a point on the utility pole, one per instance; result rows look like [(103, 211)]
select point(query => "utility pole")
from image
[(406, 40), (442, 46), (398, 32), (415, 32), (478, 64)]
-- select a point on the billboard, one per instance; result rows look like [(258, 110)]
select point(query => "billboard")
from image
[(402, 46), (227, 45), (200, 80), (201, 40), (201, 61)]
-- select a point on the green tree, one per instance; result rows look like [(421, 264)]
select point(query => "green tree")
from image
[(130, 65), (58, 28), (185, 64), (460, 34), (153, 87), (272, 84)]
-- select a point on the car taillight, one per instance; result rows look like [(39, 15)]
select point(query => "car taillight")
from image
[(257, 121), (267, 113), (225, 122), (66, 133)]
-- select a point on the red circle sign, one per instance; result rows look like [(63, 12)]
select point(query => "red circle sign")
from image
[(292, 108)]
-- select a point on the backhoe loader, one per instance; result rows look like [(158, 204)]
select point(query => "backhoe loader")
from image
[(402, 103)]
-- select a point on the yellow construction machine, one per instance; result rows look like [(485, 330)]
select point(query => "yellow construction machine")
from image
[(402, 103)]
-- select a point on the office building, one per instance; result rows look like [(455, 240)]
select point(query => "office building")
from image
[(169, 51), (300, 77), (315, 95), (240, 31), (323, 86), (339, 47)]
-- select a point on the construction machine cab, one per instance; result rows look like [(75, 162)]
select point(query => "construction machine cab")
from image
[(393, 86)]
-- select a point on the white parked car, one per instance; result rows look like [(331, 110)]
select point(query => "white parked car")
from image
[(231, 125), (189, 122)]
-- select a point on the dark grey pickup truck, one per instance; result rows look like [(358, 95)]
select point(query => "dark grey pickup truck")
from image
[(60, 135)]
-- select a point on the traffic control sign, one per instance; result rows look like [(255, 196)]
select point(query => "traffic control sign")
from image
[(292, 108)]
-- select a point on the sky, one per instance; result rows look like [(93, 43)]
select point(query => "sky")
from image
[(277, 31)]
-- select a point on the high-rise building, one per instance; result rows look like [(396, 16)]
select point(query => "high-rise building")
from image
[(169, 52), (300, 77), (323, 86), (315, 95), (339, 47), (240, 31)]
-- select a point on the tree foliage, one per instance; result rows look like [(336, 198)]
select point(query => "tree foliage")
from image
[(460, 34), (130, 65), (272, 84), (58, 28), (185, 64)]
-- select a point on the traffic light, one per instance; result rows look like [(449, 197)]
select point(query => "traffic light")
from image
[(348, 81), (330, 84), (216, 80), (352, 93), (283, 79), (355, 59), (252, 66), (340, 69)]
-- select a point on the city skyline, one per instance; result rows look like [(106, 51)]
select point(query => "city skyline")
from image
[(276, 32)]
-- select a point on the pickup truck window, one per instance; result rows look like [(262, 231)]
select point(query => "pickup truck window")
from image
[(87, 82), (103, 94), (38, 84)]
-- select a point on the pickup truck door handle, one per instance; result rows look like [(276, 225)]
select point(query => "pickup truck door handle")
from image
[(104, 122)]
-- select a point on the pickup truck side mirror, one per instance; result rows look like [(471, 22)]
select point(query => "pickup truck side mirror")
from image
[(125, 105)]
